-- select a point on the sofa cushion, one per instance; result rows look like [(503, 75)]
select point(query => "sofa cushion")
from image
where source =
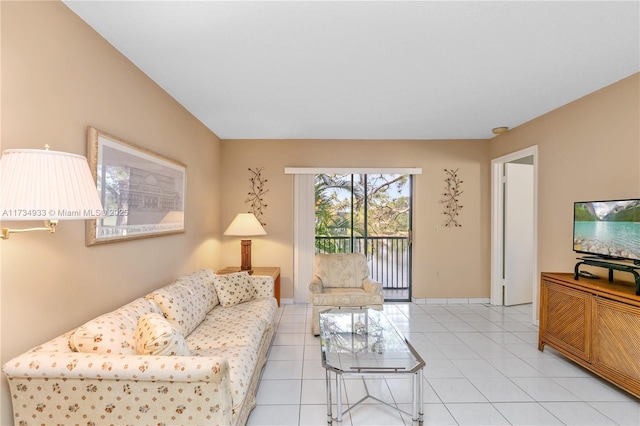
[(181, 306), (213, 334), (238, 325), (201, 285), (157, 336), (114, 332), (234, 288), (264, 309)]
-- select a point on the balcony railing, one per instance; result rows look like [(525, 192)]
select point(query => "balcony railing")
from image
[(388, 257)]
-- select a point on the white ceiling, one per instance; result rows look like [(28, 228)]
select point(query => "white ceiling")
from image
[(372, 70)]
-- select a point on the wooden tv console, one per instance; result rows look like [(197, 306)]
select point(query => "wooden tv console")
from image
[(595, 323)]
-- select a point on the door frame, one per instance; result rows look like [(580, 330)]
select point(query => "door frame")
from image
[(497, 221), (304, 219), (380, 259)]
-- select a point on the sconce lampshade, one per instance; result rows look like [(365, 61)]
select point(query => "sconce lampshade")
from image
[(46, 185), (245, 225)]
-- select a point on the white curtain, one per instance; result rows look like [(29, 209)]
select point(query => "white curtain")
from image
[(303, 235)]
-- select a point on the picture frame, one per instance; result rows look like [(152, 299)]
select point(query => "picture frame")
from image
[(142, 192)]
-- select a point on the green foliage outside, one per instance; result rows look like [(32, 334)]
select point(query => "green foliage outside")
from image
[(340, 208)]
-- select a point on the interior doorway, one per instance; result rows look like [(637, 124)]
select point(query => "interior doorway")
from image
[(514, 274)]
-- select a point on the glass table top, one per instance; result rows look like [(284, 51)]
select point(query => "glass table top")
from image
[(365, 341)]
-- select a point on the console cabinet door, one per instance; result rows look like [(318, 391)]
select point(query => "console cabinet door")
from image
[(616, 342), (565, 319)]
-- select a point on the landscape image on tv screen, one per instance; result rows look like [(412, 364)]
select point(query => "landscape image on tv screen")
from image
[(607, 228)]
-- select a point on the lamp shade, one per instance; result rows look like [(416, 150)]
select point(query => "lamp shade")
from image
[(46, 185), (245, 225)]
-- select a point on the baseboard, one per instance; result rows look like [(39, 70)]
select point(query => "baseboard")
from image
[(484, 300), (458, 301)]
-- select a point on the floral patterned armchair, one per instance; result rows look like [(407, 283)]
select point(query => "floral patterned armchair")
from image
[(342, 280)]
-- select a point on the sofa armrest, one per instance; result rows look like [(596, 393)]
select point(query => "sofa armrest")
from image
[(371, 286), (73, 388), (77, 365), (316, 285), (263, 285)]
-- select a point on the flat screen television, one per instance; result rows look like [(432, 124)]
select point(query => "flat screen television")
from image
[(607, 229)]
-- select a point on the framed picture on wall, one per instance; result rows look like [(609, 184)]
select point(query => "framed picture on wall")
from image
[(142, 193)]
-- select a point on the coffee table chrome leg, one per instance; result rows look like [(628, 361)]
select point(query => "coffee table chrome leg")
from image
[(339, 396), (418, 399), (414, 400), (327, 373), (421, 403)]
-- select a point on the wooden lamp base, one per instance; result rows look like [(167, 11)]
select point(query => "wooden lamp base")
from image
[(245, 256)]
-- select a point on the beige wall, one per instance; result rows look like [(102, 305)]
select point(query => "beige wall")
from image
[(588, 150), (58, 77), (460, 255)]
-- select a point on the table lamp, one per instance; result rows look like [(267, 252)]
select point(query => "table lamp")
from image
[(245, 225)]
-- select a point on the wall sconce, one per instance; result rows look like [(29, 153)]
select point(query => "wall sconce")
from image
[(38, 184), (245, 225)]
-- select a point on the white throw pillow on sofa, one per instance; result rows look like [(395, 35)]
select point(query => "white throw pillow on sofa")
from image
[(157, 336), (113, 332), (201, 285), (181, 306), (234, 288)]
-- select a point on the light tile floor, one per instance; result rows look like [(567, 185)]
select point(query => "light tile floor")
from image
[(482, 368)]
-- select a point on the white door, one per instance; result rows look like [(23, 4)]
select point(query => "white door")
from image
[(518, 234)]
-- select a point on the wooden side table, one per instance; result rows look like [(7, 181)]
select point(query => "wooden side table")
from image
[(270, 271)]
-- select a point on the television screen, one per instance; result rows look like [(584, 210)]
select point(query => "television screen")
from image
[(609, 229)]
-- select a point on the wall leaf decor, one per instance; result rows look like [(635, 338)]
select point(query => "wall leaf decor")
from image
[(255, 195), (451, 199)]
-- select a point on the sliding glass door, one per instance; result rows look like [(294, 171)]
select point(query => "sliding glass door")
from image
[(370, 214)]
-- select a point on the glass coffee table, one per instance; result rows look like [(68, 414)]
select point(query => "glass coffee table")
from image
[(362, 342)]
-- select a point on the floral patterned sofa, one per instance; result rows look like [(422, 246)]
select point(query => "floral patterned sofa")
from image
[(189, 353)]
